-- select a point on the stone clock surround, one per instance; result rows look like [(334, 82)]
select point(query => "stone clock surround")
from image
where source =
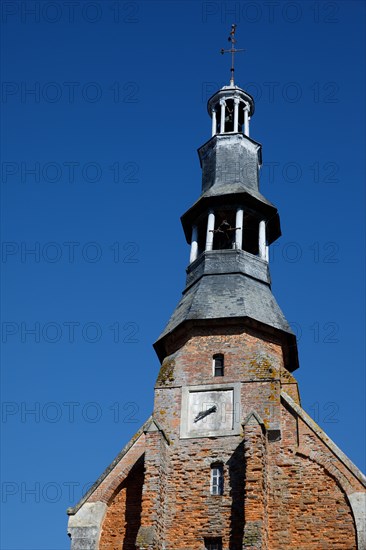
[(227, 405)]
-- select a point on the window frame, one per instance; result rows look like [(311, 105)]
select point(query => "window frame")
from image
[(213, 543), (217, 479), (221, 367)]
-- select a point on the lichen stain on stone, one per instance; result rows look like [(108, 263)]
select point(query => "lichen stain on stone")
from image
[(166, 374), (252, 535), (266, 417), (135, 437), (261, 366), (273, 395), (286, 376)]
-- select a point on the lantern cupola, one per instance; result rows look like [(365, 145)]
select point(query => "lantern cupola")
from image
[(230, 110)]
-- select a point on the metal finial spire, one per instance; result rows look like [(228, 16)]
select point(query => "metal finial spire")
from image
[(233, 51)]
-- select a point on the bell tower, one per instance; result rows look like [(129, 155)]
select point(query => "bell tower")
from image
[(229, 229), (228, 460)]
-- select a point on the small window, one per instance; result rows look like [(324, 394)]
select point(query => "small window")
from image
[(217, 479), (218, 365), (213, 544)]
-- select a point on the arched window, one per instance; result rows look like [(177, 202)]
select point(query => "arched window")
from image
[(218, 364), (217, 479)]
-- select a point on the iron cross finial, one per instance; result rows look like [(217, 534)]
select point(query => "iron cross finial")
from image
[(233, 51)]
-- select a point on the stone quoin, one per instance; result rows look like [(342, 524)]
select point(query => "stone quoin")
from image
[(228, 459)]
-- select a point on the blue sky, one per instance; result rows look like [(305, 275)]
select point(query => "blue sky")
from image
[(99, 162)]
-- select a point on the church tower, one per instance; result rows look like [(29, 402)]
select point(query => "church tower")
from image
[(228, 459)]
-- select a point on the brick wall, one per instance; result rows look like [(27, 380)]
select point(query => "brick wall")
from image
[(307, 510), (249, 359), (286, 492), (123, 517)]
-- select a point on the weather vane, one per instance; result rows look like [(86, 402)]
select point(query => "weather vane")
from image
[(233, 51)]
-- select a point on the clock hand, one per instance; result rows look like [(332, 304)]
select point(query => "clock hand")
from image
[(202, 414)]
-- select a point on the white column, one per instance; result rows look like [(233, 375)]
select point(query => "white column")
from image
[(267, 253), (262, 239), (246, 120), (222, 119), (236, 114), (239, 229), (210, 228), (194, 245), (214, 122)]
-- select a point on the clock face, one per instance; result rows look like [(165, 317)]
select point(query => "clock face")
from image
[(208, 412)]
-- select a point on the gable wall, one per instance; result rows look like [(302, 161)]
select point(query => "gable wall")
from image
[(123, 516), (308, 509)]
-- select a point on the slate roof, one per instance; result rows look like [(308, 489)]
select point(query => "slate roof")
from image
[(228, 296), (235, 188)]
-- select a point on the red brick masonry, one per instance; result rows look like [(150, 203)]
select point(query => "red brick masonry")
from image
[(286, 485)]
